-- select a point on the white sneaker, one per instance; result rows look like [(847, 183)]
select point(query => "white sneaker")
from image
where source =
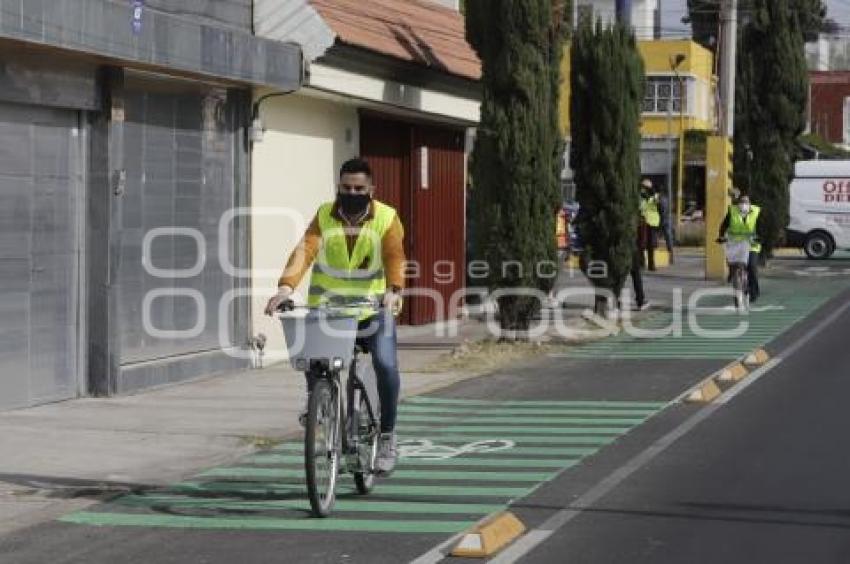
[(387, 454)]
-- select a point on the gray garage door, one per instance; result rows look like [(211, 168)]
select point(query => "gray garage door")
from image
[(40, 179), (180, 142)]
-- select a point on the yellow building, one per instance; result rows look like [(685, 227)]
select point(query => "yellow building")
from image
[(673, 97)]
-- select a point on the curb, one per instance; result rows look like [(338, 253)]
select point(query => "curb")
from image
[(490, 536), (710, 389)]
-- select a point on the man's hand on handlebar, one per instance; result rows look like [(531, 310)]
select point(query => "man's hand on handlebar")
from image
[(283, 295), (392, 302)]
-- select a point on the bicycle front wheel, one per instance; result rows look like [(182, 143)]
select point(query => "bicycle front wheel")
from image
[(740, 284), (321, 452)]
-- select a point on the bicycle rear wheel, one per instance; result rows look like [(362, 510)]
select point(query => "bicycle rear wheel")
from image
[(367, 442), (321, 451)]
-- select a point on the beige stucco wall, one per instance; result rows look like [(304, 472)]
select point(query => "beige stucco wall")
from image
[(294, 170)]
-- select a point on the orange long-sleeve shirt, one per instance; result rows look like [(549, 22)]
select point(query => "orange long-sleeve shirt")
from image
[(392, 251)]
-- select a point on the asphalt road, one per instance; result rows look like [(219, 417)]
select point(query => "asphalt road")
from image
[(761, 480), (764, 479)]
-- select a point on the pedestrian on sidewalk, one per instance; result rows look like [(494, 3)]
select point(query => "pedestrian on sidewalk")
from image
[(666, 227), (652, 216), (641, 243)]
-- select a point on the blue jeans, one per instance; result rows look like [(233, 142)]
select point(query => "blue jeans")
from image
[(378, 336)]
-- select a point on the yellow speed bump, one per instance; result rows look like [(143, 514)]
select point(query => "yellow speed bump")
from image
[(757, 358), (706, 391), (733, 373), (489, 537)]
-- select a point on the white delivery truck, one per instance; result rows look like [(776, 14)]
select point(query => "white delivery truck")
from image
[(820, 207)]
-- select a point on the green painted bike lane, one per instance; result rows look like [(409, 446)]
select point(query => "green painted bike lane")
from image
[(710, 331), (460, 461)]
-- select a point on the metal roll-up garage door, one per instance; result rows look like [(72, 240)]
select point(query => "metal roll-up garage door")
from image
[(40, 196), (179, 143)]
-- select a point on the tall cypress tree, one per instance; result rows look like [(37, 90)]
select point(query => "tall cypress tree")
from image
[(607, 82), (704, 16), (516, 161), (772, 89)]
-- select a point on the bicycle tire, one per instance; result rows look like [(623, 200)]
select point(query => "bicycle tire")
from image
[(321, 449), (736, 287), (359, 414), (741, 301)]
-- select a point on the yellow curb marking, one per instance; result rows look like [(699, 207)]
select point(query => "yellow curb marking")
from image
[(757, 358), (733, 373), (705, 392), (490, 536)]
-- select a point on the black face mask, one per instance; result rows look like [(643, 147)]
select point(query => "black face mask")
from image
[(354, 204)]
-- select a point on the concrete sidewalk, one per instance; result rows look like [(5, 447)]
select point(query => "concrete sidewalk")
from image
[(61, 457)]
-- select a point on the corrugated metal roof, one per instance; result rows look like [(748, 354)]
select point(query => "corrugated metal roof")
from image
[(412, 30)]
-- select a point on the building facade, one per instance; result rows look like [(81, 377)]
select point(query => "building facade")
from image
[(679, 97), (392, 81), (645, 16), (122, 146), (829, 106)]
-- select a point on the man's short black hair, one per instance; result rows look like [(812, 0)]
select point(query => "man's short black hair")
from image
[(356, 166)]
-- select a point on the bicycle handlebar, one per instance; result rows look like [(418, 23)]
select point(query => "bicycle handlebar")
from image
[(290, 305), (724, 240)]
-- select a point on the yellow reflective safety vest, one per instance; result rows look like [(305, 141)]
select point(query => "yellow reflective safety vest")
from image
[(741, 227), (339, 278), (649, 209)]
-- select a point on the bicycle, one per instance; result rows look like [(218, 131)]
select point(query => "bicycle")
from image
[(322, 344), (738, 257)]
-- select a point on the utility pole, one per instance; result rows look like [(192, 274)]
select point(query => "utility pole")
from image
[(719, 149), (624, 12), (729, 21)]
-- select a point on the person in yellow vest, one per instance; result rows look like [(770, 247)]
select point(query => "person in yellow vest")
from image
[(652, 216), (741, 222), (356, 246)]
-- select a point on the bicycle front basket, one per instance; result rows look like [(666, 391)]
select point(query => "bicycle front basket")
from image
[(738, 252), (319, 336)]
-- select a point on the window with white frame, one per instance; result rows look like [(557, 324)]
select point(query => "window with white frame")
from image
[(663, 94)]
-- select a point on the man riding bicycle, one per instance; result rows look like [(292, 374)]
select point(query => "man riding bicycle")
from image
[(741, 223), (355, 244)]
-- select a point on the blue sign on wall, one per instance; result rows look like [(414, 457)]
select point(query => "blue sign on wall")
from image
[(138, 7)]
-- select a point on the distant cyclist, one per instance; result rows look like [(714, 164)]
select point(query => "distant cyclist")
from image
[(741, 222), (355, 244)]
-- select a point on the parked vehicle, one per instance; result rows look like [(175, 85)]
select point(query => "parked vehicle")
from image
[(820, 207)]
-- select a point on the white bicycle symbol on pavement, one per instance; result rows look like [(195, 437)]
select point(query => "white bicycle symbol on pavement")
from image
[(425, 449)]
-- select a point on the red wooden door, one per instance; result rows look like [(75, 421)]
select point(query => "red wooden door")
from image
[(419, 170), (385, 144), (439, 233)]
